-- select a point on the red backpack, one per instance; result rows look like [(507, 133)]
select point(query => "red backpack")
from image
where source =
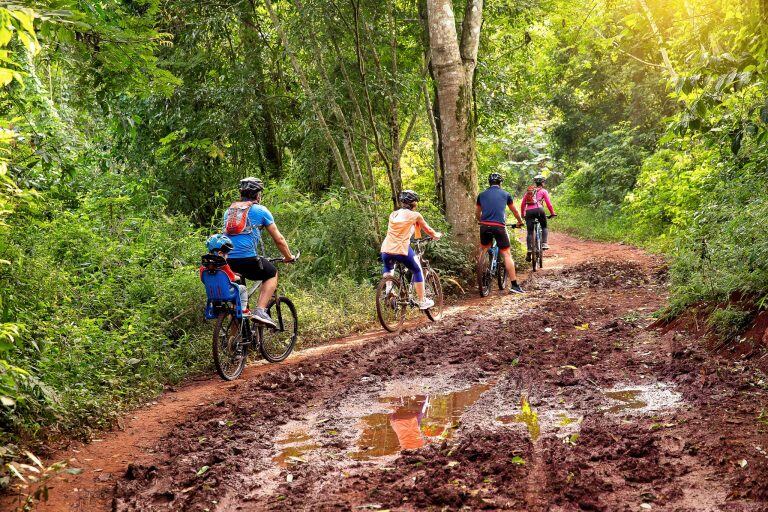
[(530, 197), (237, 218)]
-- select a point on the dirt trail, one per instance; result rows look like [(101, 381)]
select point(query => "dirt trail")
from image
[(558, 400)]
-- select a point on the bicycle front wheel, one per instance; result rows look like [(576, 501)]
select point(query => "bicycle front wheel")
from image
[(277, 344), (390, 305), (539, 250), (434, 290), (484, 274), (229, 350)]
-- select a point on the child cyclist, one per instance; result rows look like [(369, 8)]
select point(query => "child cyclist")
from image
[(403, 224), (221, 245), (531, 208)]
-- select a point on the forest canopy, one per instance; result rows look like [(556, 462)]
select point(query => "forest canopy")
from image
[(125, 126)]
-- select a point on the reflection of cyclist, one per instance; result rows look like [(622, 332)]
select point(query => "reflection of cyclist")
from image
[(406, 423), (490, 211), (403, 224), (532, 209), (242, 223)]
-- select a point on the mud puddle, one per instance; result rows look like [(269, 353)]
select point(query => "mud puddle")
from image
[(293, 448), (640, 399), (414, 422)]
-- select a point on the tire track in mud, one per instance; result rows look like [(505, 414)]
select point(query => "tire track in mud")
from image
[(579, 333)]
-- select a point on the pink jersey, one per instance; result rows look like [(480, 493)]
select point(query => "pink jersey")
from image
[(539, 195)]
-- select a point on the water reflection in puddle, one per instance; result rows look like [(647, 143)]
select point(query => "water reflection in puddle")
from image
[(628, 399), (527, 416), (294, 446), (414, 421)]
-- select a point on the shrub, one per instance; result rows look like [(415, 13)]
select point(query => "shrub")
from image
[(608, 173)]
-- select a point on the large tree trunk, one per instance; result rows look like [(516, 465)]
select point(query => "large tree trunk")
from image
[(454, 65)]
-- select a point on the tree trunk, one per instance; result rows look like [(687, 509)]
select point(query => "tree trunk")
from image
[(659, 39), (314, 101), (454, 65)]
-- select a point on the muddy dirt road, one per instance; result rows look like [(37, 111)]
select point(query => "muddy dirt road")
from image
[(558, 400)]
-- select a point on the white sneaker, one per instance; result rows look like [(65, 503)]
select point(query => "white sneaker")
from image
[(262, 317), (426, 304), (545, 246)]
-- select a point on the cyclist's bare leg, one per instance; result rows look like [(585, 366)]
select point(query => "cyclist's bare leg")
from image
[(509, 264), (481, 250), (419, 287), (268, 288)]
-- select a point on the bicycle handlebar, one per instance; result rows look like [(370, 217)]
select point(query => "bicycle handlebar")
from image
[(282, 260)]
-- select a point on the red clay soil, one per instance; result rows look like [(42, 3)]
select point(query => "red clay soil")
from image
[(620, 418)]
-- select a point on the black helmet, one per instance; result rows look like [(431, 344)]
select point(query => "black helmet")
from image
[(495, 179), (539, 179), (249, 187), (408, 197)]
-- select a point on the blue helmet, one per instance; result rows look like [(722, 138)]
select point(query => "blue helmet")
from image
[(219, 242)]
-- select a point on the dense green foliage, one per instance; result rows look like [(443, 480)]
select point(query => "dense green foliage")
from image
[(658, 121), (125, 125)]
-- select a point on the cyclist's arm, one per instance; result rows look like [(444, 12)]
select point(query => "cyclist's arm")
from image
[(548, 202), (423, 225), (515, 212), (478, 212), (522, 206), (280, 242)]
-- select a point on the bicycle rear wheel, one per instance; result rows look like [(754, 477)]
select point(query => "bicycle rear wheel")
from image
[(484, 274), (501, 276), (229, 350), (277, 344), (434, 290), (390, 303)]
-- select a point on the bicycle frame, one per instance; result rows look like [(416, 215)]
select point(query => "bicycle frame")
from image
[(402, 272), (494, 250)]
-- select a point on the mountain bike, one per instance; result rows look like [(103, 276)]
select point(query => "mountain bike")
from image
[(537, 253), (489, 266), (234, 337), (395, 293)]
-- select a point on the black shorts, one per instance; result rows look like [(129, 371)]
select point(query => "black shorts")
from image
[(254, 269), (490, 233)]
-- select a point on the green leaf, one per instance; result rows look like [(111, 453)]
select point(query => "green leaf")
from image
[(764, 114), (26, 18), (5, 35), (203, 470), (518, 460), (31, 456), (736, 138), (6, 76)]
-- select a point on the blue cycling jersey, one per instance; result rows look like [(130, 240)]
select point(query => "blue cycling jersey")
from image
[(494, 201)]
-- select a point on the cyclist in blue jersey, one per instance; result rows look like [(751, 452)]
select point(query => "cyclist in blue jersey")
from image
[(243, 222), (491, 213)]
